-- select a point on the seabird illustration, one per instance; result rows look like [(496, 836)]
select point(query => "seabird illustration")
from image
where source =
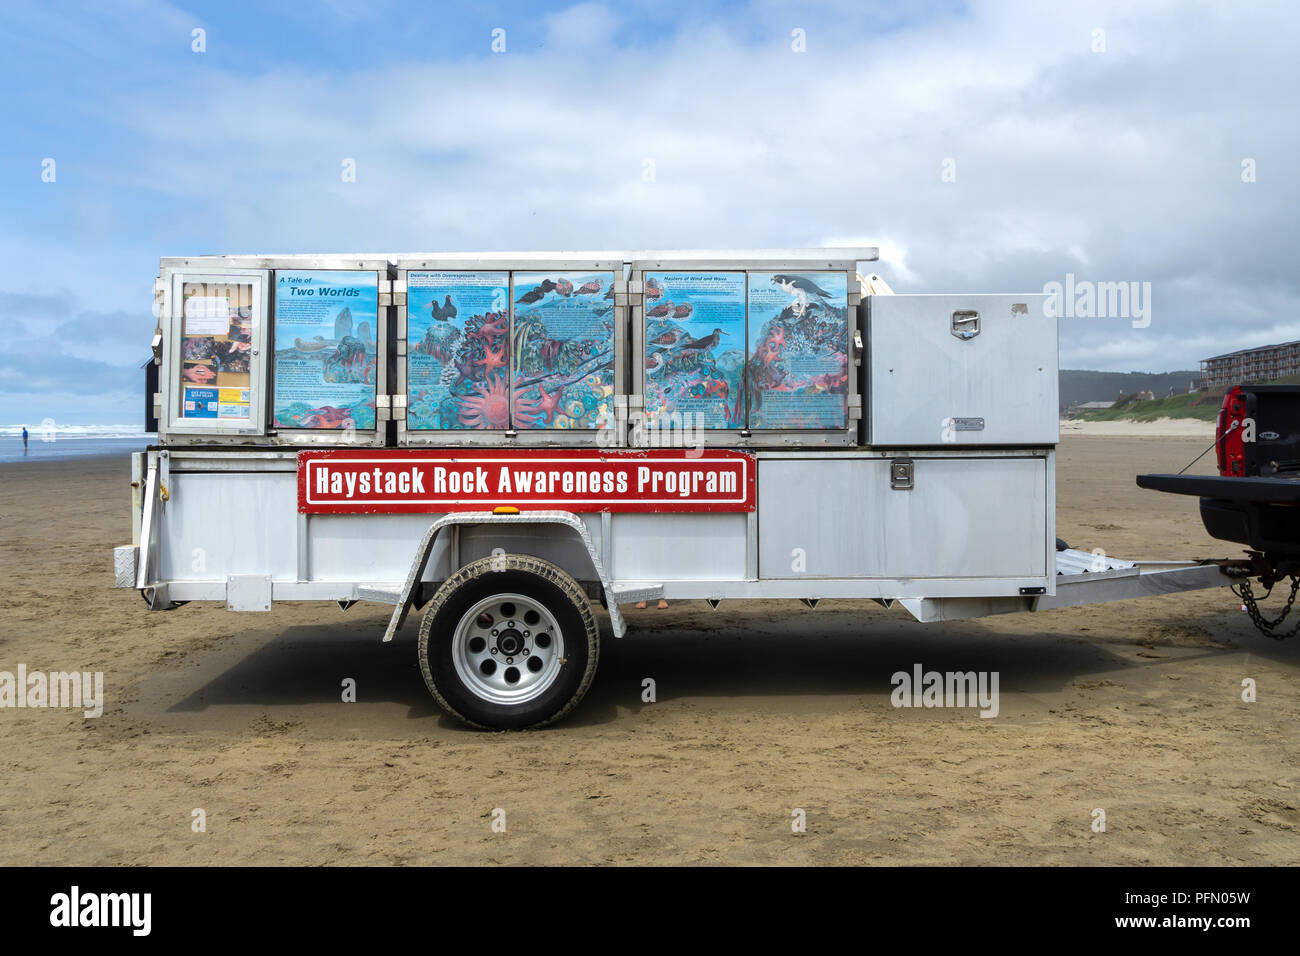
[(806, 286), (704, 344), (448, 310), (539, 292)]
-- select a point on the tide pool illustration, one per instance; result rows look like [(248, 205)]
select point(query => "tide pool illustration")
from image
[(695, 349), (798, 370), (458, 350), (562, 347), (325, 349)]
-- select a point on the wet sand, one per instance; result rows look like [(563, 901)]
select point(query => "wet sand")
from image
[(1134, 708)]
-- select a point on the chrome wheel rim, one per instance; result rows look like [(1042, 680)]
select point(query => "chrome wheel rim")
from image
[(507, 649)]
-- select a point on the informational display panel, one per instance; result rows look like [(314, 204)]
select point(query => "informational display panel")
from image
[(326, 349), (217, 322), (458, 351), (797, 376), (563, 350), (694, 349)]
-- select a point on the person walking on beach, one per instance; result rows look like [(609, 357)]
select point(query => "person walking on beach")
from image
[(24, 438)]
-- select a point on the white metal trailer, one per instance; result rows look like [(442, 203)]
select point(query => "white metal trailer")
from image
[(856, 445)]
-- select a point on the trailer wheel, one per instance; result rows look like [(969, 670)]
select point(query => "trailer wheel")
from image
[(509, 642)]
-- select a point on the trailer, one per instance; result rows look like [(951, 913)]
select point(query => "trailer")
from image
[(504, 440)]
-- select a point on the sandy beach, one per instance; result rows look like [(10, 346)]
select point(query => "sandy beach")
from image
[(1160, 428), (1133, 708)]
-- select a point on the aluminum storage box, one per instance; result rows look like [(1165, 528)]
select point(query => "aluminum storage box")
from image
[(961, 370)]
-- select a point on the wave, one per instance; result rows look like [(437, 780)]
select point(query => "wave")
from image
[(37, 431)]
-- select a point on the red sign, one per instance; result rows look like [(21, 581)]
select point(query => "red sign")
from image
[(422, 481)]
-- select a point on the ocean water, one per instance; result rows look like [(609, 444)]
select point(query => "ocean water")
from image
[(70, 441)]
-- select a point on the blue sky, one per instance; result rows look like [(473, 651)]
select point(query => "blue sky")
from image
[(1118, 164)]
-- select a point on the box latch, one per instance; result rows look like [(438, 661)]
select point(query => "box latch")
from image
[(901, 474), (965, 324)]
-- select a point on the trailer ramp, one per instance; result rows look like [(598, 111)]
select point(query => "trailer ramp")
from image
[(1082, 577)]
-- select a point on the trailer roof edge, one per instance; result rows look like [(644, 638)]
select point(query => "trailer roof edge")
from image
[(828, 253)]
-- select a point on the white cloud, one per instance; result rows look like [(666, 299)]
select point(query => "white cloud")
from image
[(1123, 165)]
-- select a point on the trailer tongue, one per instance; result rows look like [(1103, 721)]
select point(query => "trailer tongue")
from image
[(502, 439)]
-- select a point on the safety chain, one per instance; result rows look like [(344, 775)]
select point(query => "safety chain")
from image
[(1264, 625)]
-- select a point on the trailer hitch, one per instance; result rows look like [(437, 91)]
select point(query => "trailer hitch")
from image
[(1269, 572)]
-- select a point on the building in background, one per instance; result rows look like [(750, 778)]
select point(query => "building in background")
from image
[(1267, 363)]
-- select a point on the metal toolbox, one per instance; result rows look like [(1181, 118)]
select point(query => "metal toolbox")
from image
[(961, 370)]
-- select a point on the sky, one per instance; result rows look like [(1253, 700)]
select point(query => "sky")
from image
[(983, 146)]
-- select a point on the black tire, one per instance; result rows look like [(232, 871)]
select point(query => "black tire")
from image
[(539, 581)]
